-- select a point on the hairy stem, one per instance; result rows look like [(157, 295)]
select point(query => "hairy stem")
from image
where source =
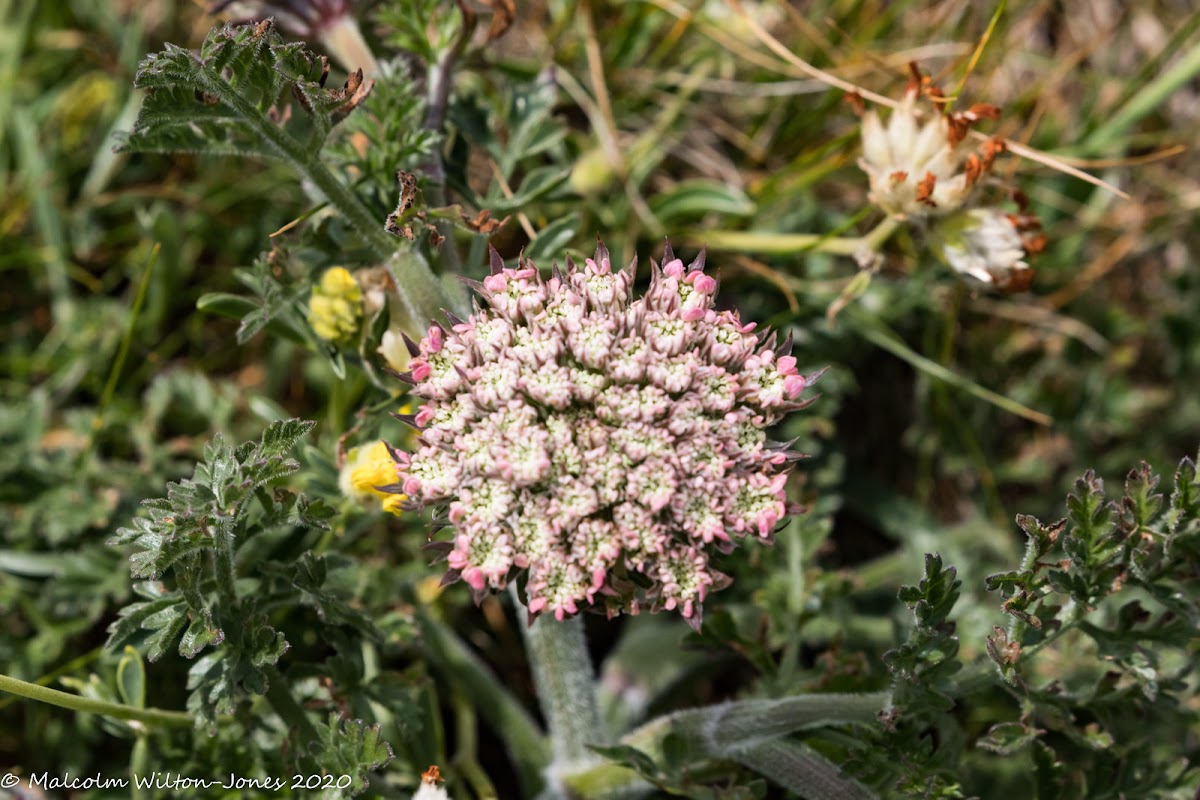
[(438, 82), (223, 562), (285, 705), (416, 283), (42, 694), (562, 672)]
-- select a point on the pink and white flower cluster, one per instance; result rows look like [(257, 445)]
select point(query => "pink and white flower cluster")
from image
[(601, 446)]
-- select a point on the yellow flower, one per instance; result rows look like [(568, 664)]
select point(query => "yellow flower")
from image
[(335, 308), (368, 468)]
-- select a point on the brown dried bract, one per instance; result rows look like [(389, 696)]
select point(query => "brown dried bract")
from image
[(917, 81), (925, 189), (1030, 229), (855, 101), (396, 223), (353, 93), (1014, 281), (483, 222), (976, 164), (408, 191)]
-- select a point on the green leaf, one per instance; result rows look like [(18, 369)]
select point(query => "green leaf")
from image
[(280, 437), (223, 304), (1006, 738), (165, 616), (722, 730), (351, 747), (200, 634), (553, 239), (800, 769), (629, 756), (277, 310), (923, 665), (222, 678), (698, 197), (131, 678), (166, 626), (32, 565), (1185, 500), (1087, 509), (310, 575), (540, 182), (244, 94), (934, 597), (532, 129), (182, 525), (1141, 501)]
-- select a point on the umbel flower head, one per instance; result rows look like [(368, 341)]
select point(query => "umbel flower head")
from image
[(919, 165), (595, 447)]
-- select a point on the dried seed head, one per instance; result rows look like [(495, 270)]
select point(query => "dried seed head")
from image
[(917, 164)]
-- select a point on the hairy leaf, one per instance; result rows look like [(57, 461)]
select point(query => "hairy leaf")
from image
[(245, 93)]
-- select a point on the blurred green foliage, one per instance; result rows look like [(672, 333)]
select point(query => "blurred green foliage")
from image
[(1067, 673)]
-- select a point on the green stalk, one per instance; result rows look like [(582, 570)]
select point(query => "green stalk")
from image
[(74, 665), (882, 337), (285, 705), (418, 287), (782, 244), (223, 563), (42, 694), (776, 244), (566, 687), (123, 351)]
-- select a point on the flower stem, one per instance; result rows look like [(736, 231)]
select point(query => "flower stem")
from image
[(150, 716), (439, 81), (562, 672), (781, 244), (281, 699), (223, 562), (419, 288)]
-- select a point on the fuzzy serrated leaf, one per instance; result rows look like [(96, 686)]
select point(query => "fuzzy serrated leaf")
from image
[(136, 617), (1007, 738), (1185, 499), (241, 94), (200, 634), (280, 437), (351, 747)]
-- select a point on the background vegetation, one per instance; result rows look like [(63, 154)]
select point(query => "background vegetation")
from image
[(634, 121)]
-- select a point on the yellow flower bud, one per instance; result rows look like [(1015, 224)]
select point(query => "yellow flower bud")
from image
[(335, 308)]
